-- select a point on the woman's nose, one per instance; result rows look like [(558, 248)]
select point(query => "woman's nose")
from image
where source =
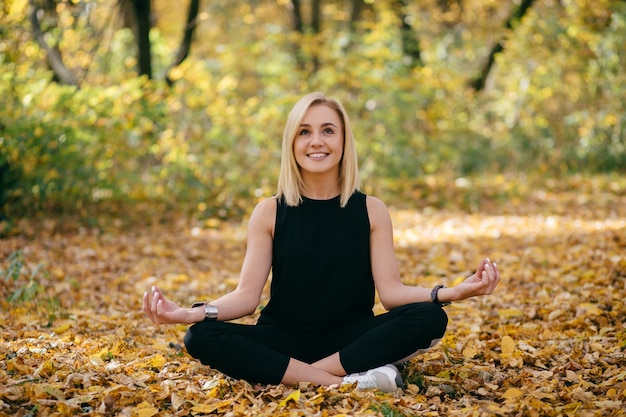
[(316, 139)]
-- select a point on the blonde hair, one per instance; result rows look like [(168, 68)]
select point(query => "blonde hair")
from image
[(290, 182)]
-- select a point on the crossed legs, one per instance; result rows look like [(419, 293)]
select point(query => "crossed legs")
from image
[(270, 354)]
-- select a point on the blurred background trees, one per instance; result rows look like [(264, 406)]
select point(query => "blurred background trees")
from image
[(120, 106)]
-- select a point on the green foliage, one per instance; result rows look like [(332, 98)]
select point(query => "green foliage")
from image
[(387, 410), (416, 379), (32, 412), (9, 181), (18, 269), (210, 145), (29, 287)]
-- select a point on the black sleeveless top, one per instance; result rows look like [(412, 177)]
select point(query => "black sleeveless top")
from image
[(321, 269)]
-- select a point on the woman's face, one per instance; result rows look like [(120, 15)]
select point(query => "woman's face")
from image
[(318, 145)]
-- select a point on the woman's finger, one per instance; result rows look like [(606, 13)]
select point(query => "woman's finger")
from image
[(485, 279), (490, 272), (147, 306), (497, 277), (156, 296), (493, 279), (480, 269)]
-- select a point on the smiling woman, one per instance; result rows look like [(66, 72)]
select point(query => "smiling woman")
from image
[(329, 248), (332, 132)]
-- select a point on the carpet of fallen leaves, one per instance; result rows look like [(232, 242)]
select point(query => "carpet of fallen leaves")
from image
[(550, 342)]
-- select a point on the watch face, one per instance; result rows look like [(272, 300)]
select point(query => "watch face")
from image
[(210, 312)]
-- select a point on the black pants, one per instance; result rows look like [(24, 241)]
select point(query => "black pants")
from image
[(260, 353)]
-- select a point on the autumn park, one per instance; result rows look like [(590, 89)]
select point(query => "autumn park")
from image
[(137, 136)]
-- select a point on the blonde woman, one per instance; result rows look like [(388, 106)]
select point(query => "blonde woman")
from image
[(329, 248)]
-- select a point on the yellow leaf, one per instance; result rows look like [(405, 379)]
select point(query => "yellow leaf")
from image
[(46, 368), (209, 408), (445, 374), (316, 400), (65, 409), (175, 73), (144, 412), (63, 328), (203, 408), (57, 272), (588, 309), (611, 393), (96, 359), (55, 392), (512, 393), (158, 361), (571, 376), (294, 396), (555, 314), (572, 408), (607, 405), (470, 352), (590, 274), (507, 345), (177, 401), (510, 312)]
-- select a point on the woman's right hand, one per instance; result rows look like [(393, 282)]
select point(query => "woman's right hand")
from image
[(163, 311)]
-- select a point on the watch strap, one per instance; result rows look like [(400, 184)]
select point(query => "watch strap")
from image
[(434, 296)]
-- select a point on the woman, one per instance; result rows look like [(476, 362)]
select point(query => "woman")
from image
[(329, 247)]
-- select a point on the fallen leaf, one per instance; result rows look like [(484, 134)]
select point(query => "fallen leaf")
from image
[(293, 396), (507, 345), (512, 393)]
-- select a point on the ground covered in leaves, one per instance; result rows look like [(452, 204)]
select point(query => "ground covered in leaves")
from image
[(551, 341)]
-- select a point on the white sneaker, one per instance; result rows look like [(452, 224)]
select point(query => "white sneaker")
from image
[(386, 378)]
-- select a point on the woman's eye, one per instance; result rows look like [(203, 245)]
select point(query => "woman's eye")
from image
[(304, 132), (329, 131)]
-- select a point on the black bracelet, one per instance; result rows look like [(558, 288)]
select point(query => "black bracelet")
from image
[(435, 298)]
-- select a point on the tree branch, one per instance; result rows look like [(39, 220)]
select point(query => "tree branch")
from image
[(479, 82), (53, 54), (185, 45)]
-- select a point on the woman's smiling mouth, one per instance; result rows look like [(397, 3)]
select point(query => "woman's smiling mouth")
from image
[(317, 155)]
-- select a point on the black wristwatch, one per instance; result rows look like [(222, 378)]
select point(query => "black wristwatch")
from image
[(210, 311), (435, 298)]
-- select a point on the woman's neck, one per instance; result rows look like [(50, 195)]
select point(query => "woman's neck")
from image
[(321, 190)]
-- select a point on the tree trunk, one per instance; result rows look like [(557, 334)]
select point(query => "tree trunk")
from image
[(410, 43), (296, 15), (316, 16), (479, 82), (299, 27), (316, 24), (185, 45), (144, 54), (355, 14)]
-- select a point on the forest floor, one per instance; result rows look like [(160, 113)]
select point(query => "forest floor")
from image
[(550, 342)]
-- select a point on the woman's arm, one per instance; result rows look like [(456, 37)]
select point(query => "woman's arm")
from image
[(244, 299), (256, 265), (391, 290)]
